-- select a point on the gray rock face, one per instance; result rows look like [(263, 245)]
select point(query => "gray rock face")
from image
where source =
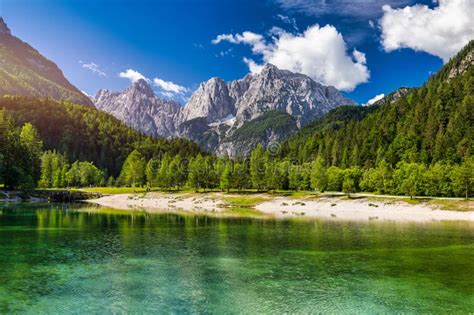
[(394, 96), (248, 99), (211, 100), (227, 118), (268, 129), (462, 66), (295, 94), (141, 109)]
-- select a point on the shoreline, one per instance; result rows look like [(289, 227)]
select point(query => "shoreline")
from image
[(281, 207)]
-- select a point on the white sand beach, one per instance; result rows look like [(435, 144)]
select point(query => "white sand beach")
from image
[(161, 202), (336, 208), (360, 209)]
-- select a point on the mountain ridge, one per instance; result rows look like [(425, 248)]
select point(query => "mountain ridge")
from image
[(217, 109), (24, 71), (138, 107)]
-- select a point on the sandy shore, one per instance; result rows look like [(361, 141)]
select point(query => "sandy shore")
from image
[(360, 209), (161, 202), (338, 208)]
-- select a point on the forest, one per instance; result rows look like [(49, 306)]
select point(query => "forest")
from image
[(420, 144), (263, 172), (84, 133)]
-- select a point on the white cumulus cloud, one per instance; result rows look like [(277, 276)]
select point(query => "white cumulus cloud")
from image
[(94, 68), (374, 99), (169, 87), (319, 52), (253, 66), (255, 40), (441, 31), (132, 75)]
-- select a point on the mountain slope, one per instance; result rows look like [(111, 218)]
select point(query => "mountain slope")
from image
[(268, 129), (217, 110), (432, 123), (282, 90), (139, 108), (24, 71), (244, 102)]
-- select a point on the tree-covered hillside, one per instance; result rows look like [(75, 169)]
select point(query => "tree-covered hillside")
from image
[(24, 71), (87, 134), (429, 124)]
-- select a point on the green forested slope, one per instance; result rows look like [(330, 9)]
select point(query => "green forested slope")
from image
[(24, 71), (87, 134), (432, 123), (274, 121)]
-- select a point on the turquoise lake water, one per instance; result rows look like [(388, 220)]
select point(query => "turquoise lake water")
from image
[(63, 259)]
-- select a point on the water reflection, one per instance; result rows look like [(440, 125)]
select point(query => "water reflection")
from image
[(69, 258)]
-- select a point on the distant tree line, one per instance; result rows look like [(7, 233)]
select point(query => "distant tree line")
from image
[(263, 172)]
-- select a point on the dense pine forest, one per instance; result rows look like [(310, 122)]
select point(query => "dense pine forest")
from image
[(434, 123), (76, 133), (87, 134)]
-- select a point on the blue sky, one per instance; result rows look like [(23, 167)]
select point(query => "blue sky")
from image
[(94, 41)]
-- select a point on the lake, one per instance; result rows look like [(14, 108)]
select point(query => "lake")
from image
[(73, 259)]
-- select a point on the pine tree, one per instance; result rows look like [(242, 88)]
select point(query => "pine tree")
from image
[(194, 172), (133, 170), (34, 146), (46, 170), (273, 175), (257, 168), (463, 177), (164, 175), (319, 179), (241, 178), (209, 175), (111, 181), (178, 171), (151, 172), (226, 177)]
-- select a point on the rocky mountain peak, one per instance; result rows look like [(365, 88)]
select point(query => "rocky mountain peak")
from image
[(141, 109), (142, 87), (227, 117), (4, 28), (211, 100), (268, 67), (214, 80), (270, 71), (101, 94)]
